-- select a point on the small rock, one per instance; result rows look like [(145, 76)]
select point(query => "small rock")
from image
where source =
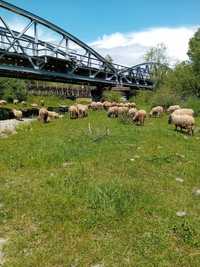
[(132, 159), (180, 180), (181, 213)]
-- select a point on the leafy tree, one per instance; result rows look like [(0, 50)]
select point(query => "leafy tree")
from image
[(109, 58), (194, 51), (159, 56), (11, 89), (112, 96)]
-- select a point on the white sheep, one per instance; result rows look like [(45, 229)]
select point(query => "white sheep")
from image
[(156, 111), (113, 112), (15, 101), (52, 115), (17, 114), (3, 102), (132, 112), (171, 109), (184, 111), (183, 122), (82, 110)]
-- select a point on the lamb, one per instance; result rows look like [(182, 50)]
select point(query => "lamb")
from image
[(132, 112), (93, 106), (156, 111), (171, 109), (17, 114), (113, 112), (183, 122), (82, 110), (73, 112), (43, 115), (139, 117), (3, 102), (184, 111)]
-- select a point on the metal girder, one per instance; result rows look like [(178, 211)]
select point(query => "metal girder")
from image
[(26, 54)]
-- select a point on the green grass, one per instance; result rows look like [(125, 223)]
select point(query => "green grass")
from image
[(49, 101), (75, 196)]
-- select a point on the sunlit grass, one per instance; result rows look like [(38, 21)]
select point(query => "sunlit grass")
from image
[(99, 191)]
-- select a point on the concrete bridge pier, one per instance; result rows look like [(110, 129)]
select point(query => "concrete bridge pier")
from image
[(97, 93)]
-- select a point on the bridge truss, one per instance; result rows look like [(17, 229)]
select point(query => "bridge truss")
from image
[(41, 50)]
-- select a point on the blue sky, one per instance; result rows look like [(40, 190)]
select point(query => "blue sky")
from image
[(123, 29), (89, 19)]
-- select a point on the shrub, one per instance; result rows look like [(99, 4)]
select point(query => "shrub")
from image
[(112, 96), (142, 98), (165, 99), (194, 103), (13, 89)]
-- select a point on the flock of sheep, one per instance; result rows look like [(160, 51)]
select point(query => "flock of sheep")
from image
[(182, 118)]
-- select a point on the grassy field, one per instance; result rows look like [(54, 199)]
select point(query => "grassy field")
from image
[(104, 195)]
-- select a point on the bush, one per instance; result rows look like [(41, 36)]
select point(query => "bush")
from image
[(142, 98), (164, 99), (13, 89), (194, 103), (112, 96)]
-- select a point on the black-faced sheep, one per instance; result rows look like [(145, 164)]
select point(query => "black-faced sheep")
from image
[(113, 112), (132, 112)]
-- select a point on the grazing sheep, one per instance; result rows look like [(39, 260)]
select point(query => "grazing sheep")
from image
[(171, 109), (15, 101), (99, 105), (113, 112), (184, 111), (183, 122), (93, 105), (52, 115), (17, 114), (82, 110), (156, 111), (122, 110), (140, 117), (132, 105), (107, 105), (73, 112), (3, 102), (43, 115), (132, 112)]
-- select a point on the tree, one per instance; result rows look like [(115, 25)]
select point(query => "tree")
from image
[(11, 89), (194, 51), (159, 56)]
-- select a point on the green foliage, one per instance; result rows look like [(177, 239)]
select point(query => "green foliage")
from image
[(112, 96), (11, 89), (194, 103), (142, 98), (182, 80), (194, 52), (111, 202), (165, 98), (157, 54)]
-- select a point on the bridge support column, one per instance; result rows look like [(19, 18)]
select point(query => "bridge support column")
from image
[(97, 93)]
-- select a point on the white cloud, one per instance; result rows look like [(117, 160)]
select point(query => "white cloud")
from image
[(129, 48)]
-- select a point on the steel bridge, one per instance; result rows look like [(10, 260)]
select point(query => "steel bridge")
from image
[(43, 51)]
